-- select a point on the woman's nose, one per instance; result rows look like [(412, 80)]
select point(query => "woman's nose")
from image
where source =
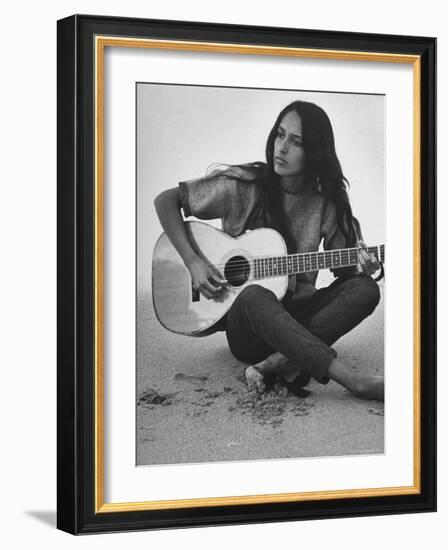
[(284, 146)]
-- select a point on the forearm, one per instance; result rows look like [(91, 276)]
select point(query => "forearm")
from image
[(168, 208)]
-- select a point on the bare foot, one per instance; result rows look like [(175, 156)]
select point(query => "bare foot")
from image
[(370, 387), (255, 380), (279, 365)]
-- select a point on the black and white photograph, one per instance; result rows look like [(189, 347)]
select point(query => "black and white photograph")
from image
[(260, 267), (222, 242)]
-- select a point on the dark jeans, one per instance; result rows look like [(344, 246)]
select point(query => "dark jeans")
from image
[(259, 324)]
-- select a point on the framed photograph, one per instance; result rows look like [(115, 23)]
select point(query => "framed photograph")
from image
[(233, 345)]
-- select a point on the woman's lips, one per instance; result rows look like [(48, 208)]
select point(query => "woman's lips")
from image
[(280, 160)]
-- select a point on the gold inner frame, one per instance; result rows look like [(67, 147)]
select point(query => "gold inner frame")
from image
[(101, 42)]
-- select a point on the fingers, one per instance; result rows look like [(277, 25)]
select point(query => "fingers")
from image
[(363, 258), (217, 278), (368, 263), (212, 286), (363, 262), (205, 279), (375, 263), (205, 292), (207, 289)]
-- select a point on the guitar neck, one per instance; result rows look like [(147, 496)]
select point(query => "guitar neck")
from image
[(291, 264)]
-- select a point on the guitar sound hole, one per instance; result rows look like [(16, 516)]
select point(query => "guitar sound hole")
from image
[(237, 270)]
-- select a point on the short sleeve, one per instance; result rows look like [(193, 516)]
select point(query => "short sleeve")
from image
[(230, 195), (208, 197)]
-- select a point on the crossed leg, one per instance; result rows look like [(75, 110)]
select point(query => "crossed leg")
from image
[(278, 339)]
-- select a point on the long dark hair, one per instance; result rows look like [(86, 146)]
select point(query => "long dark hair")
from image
[(323, 171)]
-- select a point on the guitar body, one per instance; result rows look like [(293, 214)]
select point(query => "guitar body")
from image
[(181, 309)]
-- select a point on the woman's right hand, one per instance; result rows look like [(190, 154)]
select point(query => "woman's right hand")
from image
[(206, 279)]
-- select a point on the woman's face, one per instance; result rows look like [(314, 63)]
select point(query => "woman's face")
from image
[(289, 156)]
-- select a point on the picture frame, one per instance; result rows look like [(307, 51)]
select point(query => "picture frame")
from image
[(82, 195)]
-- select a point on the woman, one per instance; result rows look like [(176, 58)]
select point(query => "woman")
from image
[(301, 192)]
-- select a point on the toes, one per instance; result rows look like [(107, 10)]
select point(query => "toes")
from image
[(254, 379), (251, 379)]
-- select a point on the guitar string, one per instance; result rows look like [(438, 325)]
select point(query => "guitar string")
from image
[(370, 249), (268, 271), (277, 270), (266, 275), (280, 265), (251, 275), (300, 256), (257, 272)]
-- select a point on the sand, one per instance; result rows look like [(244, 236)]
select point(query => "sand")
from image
[(193, 404)]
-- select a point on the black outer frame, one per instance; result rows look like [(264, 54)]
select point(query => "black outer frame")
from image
[(75, 382)]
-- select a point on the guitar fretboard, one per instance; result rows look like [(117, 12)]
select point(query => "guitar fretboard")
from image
[(274, 266)]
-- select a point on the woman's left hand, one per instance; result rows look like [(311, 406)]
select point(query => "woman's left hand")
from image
[(367, 263)]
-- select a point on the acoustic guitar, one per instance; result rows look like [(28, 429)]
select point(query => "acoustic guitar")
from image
[(258, 256)]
